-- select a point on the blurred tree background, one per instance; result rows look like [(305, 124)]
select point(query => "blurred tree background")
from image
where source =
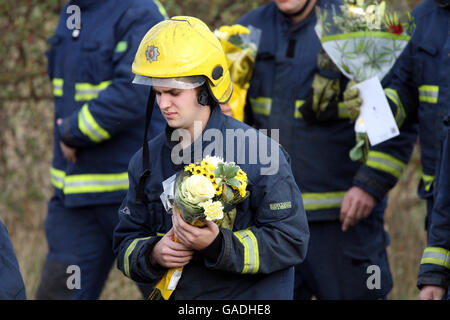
[(26, 124)]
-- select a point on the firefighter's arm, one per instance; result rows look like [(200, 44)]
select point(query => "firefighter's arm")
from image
[(116, 103), (435, 262), (135, 237), (279, 235), (386, 161)]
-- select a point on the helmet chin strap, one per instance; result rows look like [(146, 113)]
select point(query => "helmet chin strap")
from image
[(299, 12), (146, 172)]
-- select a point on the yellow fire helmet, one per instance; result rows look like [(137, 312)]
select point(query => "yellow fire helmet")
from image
[(183, 47)]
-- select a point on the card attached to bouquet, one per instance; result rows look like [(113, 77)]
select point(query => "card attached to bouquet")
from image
[(168, 194), (376, 115)]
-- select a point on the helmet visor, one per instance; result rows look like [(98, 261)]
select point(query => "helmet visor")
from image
[(175, 83)]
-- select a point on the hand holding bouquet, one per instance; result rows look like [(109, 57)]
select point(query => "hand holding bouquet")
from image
[(205, 191)]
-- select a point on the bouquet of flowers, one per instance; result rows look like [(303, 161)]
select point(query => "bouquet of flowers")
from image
[(240, 45), (208, 190), (364, 42)]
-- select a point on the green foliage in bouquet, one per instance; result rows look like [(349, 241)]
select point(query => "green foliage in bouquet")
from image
[(210, 191)]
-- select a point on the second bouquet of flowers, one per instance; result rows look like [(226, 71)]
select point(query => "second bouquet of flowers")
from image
[(364, 42), (207, 190), (240, 45)]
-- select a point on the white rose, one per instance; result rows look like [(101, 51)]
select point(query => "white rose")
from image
[(197, 188)]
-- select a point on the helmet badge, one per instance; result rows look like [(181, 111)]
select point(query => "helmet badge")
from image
[(152, 53)]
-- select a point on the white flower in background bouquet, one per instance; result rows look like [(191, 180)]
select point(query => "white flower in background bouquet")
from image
[(364, 42)]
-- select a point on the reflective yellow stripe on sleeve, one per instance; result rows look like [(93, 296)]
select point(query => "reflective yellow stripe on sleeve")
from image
[(88, 91), (428, 93), (161, 9), (435, 255), (57, 178), (323, 200), (261, 105), (121, 46), (58, 87), (89, 183), (400, 115), (126, 258), (427, 181), (251, 252), (384, 162), (89, 127), (297, 112)]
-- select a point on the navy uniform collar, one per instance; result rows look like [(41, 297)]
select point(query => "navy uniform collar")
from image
[(288, 26)]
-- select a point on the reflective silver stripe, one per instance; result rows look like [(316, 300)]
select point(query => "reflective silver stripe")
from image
[(388, 163), (91, 130), (251, 253), (400, 115), (321, 201), (88, 91), (325, 201), (95, 183), (126, 259), (261, 105), (58, 84), (90, 127), (106, 182), (437, 256), (58, 180), (428, 93), (384, 162)]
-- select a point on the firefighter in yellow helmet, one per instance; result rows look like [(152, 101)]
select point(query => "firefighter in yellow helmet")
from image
[(251, 258), (168, 51)]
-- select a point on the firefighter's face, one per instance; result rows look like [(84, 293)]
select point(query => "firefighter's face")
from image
[(180, 107), (290, 6)]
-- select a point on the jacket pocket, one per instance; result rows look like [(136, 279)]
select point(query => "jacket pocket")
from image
[(97, 63)]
